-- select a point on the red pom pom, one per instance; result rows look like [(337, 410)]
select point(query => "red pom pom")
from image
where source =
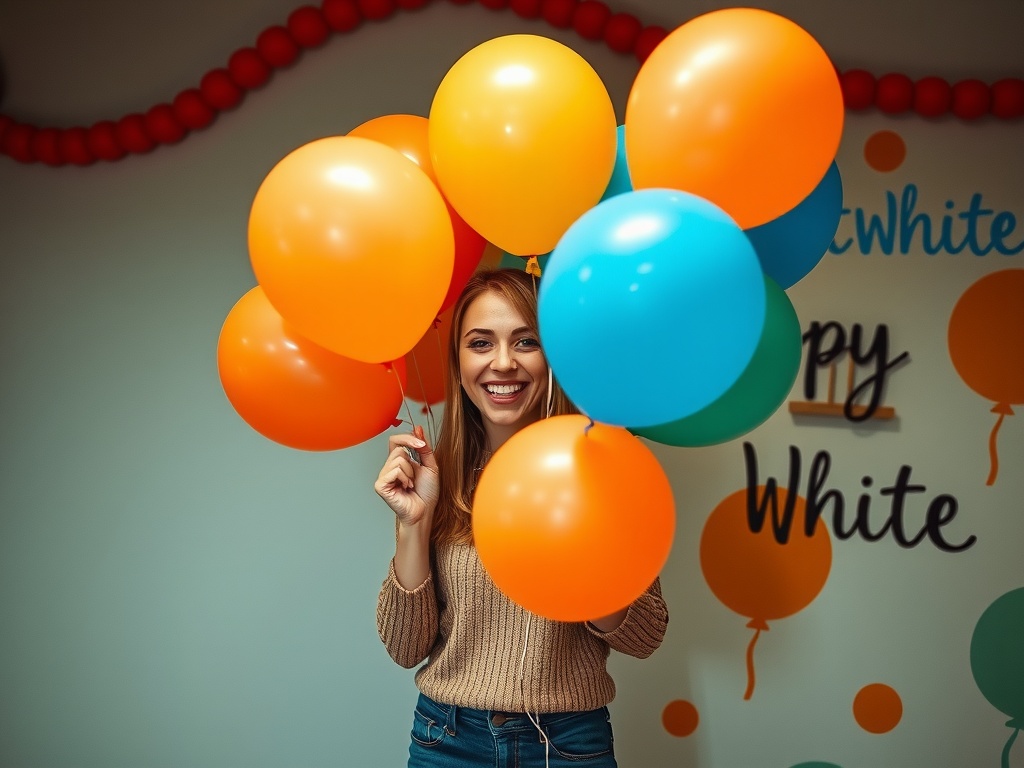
[(375, 10), (1008, 98), (162, 125), (17, 142), (526, 9), (621, 31), (858, 88), (341, 15), (494, 5), (648, 39), (247, 69), (971, 99), (44, 147), (191, 110), (411, 5), (932, 96), (894, 93), (132, 134), (276, 47), (308, 27), (101, 139), (589, 19), (219, 90), (74, 148), (558, 13)]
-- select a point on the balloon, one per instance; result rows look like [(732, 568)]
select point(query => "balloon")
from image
[(295, 392), (353, 245), (790, 246), (427, 362), (573, 520), (986, 337), (986, 344), (620, 173), (758, 392), (522, 138), (408, 134), (740, 106), (756, 575), (651, 307), (997, 655)]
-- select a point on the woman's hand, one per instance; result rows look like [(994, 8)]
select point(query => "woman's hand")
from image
[(409, 487)]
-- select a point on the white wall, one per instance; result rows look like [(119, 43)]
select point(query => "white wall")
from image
[(176, 590)]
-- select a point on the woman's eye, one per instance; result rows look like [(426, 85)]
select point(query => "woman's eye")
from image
[(529, 343), (478, 344)]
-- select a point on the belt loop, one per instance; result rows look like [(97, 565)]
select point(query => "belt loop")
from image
[(450, 725)]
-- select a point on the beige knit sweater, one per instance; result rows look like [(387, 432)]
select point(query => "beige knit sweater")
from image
[(474, 637)]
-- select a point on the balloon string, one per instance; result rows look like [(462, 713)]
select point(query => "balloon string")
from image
[(750, 665), (423, 389), (405, 400), (993, 453), (1006, 750)]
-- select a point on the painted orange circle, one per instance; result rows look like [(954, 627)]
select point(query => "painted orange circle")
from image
[(680, 718), (885, 151), (877, 708)]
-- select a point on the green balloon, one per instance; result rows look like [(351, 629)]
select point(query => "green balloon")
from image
[(997, 655), (756, 394)]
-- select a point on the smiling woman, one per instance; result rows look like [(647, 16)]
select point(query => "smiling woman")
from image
[(498, 680)]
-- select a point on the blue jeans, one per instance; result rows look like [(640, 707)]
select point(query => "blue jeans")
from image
[(447, 736)]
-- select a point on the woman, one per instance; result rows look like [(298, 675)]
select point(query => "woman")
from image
[(501, 687)]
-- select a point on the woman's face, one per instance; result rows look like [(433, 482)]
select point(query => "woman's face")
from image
[(502, 367)]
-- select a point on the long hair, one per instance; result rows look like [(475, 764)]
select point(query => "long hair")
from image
[(461, 443)]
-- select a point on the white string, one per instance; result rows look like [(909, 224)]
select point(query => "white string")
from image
[(522, 694), (551, 391)]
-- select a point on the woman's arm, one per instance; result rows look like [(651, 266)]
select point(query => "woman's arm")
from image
[(637, 630)]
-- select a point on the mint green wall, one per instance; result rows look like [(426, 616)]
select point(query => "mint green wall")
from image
[(178, 592)]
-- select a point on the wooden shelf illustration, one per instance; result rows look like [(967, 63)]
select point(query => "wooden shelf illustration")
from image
[(838, 408)]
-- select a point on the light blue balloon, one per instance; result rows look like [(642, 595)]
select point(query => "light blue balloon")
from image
[(651, 306), (791, 245), (620, 181)]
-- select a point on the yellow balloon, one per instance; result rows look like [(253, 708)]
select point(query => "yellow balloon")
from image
[(522, 136)]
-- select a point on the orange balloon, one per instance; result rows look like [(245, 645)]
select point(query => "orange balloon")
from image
[(427, 363), (353, 245), (408, 134), (986, 337), (754, 574), (523, 137), (739, 106), (573, 523), (297, 393)]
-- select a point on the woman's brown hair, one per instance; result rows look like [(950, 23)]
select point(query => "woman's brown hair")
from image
[(460, 449)]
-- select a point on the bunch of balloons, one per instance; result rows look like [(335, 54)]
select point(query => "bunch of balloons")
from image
[(668, 244)]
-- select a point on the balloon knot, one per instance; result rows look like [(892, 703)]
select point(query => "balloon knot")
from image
[(533, 266), (587, 428), (758, 624), (1003, 408), (437, 323), (397, 423)]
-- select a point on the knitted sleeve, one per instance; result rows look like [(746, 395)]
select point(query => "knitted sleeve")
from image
[(642, 630), (407, 620)]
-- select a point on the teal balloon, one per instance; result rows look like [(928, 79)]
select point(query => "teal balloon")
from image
[(651, 307), (620, 181), (997, 655), (758, 392), (816, 764), (790, 246)]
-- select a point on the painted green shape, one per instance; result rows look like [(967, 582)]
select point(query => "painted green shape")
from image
[(997, 655)]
